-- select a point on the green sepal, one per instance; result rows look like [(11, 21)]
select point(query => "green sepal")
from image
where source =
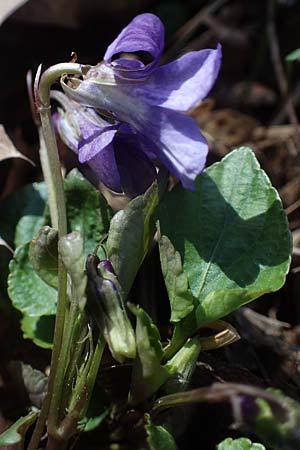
[(70, 249), (43, 255), (148, 375), (180, 296), (182, 365), (130, 235)]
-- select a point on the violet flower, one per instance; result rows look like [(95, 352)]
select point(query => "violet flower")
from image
[(110, 150), (147, 103)]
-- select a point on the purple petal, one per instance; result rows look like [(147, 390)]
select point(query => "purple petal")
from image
[(95, 143), (176, 138), (145, 33), (136, 171), (67, 132), (123, 167), (178, 142), (107, 266), (183, 83), (127, 64), (86, 119), (104, 168)]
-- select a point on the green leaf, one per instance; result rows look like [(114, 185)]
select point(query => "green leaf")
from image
[(89, 424), (23, 214), (43, 255), (5, 257), (16, 433), (96, 413), (130, 234), (159, 438), (148, 374), (277, 421), (232, 235), (239, 444), (293, 56), (33, 215), (87, 210), (39, 329), (180, 296), (23, 217), (28, 292)]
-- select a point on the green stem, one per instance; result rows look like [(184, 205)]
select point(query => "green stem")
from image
[(54, 180), (53, 175), (50, 157), (182, 398), (62, 363), (56, 444), (40, 425), (56, 360), (82, 393), (92, 375), (45, 163), (52, 74), (59, 325), (78, 339)]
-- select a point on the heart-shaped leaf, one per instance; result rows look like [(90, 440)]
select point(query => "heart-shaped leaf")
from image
[(39, 329), (87, 210), (28, 292), (232, 235)]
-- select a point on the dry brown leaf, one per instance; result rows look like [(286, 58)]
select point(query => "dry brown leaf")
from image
[(227, 126), (3, 243), (253, 94), (63, 13), (7, 148), (69, 13), (7, 7)]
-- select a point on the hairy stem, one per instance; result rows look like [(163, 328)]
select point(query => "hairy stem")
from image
[(59, 324), (54, 180), (78, 342), (82, 392), (49, 151)]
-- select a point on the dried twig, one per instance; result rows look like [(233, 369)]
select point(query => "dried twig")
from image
[(294, 98), (186, 31), (292, 207), (278, 68)]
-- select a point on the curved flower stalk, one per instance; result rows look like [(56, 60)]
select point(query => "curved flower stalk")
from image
[(144, 107)]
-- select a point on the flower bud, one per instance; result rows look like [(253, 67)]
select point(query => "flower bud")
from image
[(108, 310)]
